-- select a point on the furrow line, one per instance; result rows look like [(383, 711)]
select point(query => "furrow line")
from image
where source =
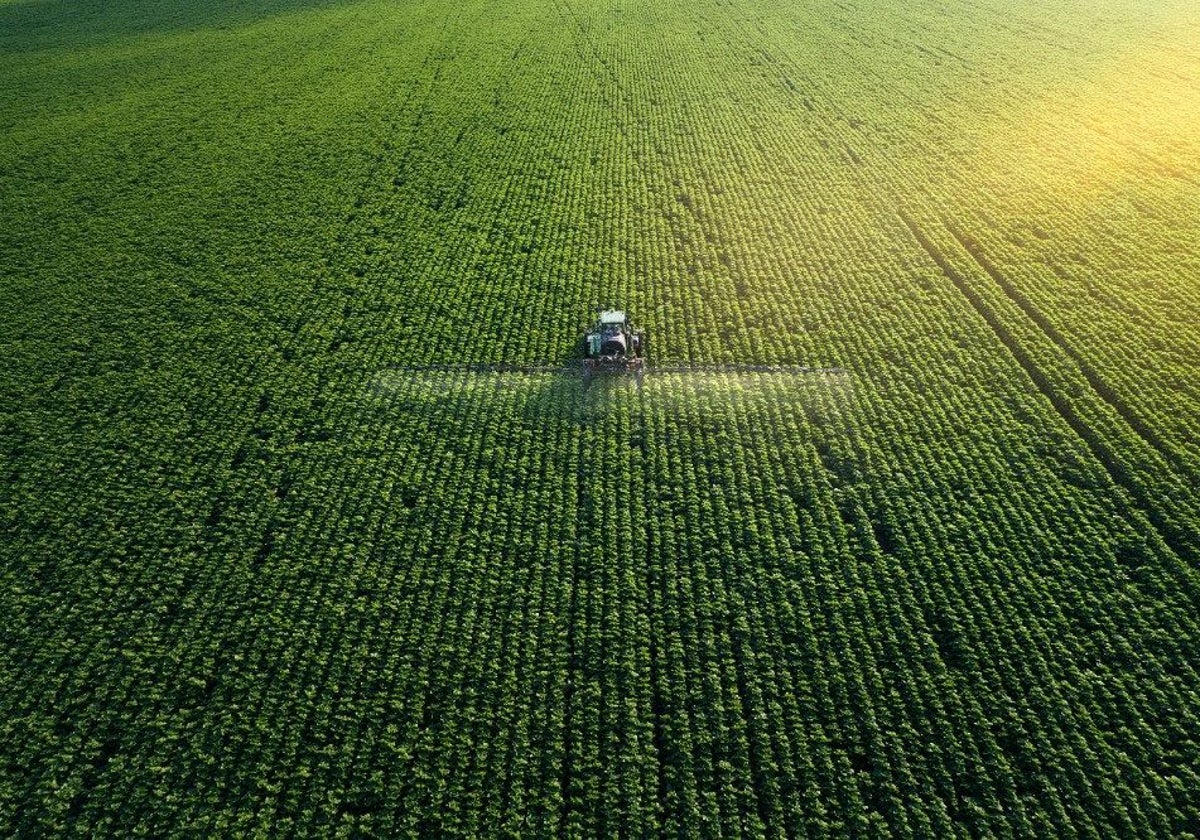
[(1118, 473), (972, 247)]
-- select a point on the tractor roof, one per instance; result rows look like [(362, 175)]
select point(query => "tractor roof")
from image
[(612, 316)]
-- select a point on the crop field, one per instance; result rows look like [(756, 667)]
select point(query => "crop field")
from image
[(281, 557)]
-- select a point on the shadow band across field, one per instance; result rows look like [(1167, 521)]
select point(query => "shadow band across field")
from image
[(546, 394), (577, 367), (567, 381)]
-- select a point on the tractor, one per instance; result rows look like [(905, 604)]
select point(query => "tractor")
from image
[(612, 345)]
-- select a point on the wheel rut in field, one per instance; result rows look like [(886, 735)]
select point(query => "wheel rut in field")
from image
[(1170, 534), (1097, 383)]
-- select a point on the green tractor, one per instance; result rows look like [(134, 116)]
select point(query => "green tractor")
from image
[(612, 345)]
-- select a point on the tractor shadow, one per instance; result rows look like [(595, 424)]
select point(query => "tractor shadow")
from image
[(546, 398), (539, 392), (538, 397), (543, 393)]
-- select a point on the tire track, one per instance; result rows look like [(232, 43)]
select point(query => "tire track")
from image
[(1147, 434), (1177, 540)]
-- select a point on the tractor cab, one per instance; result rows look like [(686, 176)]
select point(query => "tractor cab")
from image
[(613, 345)]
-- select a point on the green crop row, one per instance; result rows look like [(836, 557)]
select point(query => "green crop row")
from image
[(264, 572)]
